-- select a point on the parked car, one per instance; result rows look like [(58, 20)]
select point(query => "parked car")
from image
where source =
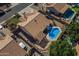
[(1, 13)]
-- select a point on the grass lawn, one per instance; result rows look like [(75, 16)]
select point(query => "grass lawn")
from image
[(76, 8), (13, 20), (12, 23)]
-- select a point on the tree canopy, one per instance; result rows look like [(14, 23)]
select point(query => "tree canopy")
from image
[(62, 48)]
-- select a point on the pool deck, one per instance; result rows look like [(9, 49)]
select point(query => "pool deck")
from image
[(58, 24), (57, 35), (64, 21), (70, 20)]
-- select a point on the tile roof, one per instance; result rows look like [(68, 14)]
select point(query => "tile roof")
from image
[(12, 49), (60, 7), (8, 47)]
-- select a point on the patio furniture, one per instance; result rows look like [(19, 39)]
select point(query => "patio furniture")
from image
[(49, 16), (48, 28)]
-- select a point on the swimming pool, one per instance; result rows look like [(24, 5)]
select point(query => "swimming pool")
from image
[(68, 14), (54, 33)]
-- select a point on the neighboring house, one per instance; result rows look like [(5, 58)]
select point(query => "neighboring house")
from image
[(61, 11), (9, 47)]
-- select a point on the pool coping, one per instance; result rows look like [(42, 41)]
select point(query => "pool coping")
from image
[(57, 35), (72, 15)]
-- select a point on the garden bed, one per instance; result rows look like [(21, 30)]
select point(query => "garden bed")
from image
[(12, 23)]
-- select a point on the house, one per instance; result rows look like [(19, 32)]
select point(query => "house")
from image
[(11, 45), (33, 25)]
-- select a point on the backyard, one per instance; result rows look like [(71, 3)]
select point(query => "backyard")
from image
[(68, 41)]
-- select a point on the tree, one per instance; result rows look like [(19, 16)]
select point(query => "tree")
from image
[(62, 48), (77, 37), (73, 31)]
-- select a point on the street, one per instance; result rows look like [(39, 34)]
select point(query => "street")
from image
[(14, 10)]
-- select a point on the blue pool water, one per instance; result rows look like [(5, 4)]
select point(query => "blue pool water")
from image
[(53, 34), (68, 14)]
